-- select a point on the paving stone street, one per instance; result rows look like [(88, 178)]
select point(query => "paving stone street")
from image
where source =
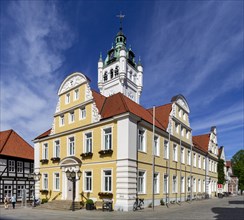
[(225, 208)]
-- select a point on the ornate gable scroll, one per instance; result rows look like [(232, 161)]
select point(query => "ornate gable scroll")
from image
[(95, 113)]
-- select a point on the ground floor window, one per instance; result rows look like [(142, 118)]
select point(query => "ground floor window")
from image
[(166, 183), (20, 189), (7, 190), (56, 181), (107, 180), (88, 181), (156, 183), (141, 182), (174, 187), (182, 184)]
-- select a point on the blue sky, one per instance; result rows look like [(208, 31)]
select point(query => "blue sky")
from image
[(194, 48)]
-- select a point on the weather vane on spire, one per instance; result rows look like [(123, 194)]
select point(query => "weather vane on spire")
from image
[(120, 16)]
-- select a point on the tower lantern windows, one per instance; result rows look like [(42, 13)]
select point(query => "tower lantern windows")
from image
[(116, 71), (105, 77), (111, 74)]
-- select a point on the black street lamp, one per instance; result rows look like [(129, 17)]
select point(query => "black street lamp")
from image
[(36, 177), (71, 175)]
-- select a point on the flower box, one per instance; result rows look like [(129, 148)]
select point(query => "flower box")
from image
[(105, 152), (88, 154), (44, 191), (105, 194), (44, 160), (55, 159)]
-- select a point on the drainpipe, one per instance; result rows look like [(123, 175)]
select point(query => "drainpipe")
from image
[(180, 163), (153, 164), (191, 173)]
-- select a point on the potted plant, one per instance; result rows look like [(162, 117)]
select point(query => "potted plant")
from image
[(89, 204)]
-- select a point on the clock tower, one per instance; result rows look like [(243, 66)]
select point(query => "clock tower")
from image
[(119, 72)]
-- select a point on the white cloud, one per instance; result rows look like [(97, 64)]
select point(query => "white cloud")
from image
[(32, 53)]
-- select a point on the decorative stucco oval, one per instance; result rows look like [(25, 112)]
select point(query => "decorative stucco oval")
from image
[(70, 161)]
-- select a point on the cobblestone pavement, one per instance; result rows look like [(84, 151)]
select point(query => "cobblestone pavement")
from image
[(225, 208)]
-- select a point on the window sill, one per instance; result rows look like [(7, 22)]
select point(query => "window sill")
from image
[(144, 152)]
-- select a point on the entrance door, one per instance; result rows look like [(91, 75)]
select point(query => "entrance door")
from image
[(70, 190)]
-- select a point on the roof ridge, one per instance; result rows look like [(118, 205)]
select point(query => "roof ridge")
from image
[(159, 106), (103, 105), (23, 139), (123, 101), (11, 130), (201, 135)]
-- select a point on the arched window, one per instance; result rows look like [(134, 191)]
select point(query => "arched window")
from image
[(105, 77), (116, 71), (111, 74), (130, 75)]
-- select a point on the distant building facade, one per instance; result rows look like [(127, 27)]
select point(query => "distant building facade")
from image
[(16, 162)]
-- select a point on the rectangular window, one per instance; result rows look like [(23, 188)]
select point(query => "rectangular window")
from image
[(174, 184), (189, 184), (156, 145), (56, 181), (83, 113), (19, 167), (189, 157), (166, 149), (194, 160), (45, 151), (175, 154), (182, 184), (76, 94), (177, 127), (166, 183), (182, 132), (71, 117), (45, 181), (32, 168), (199, 185), (8, 190), (107, 138), (156, 182), (184, 116), (141, 182), (61, 120), (187, 134), (204, 163), (194, 185), (141, 140), (180, 112), (182, 156), (88, 181), (203, 185), (11, 165), (56, 148), (107, 175), (199, 161), (71, 146), (88, 142), (20, 189), (209, 165), (67, 98)]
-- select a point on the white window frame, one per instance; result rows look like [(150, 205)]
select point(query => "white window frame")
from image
[(141, 140), (182, 154), (88, 141), (188, 184), (45, 151), (56, 181), (61, 120), (188, 157), (71, 117), (203, 183), (45, 181), (194, 185), (104, 177), (184, 116), (199, 185), (156, 145), (180, 112), (11, 166), (107, 144), (204, 163), (174, 184), (20, 190), (56, 149), (182, 132), (71, 147), (141, 184), (187, 134), (182, 184), (177, 125), (194, 159), (82, 113), (76, 94), (199, 161), (175, 152), (156, 183), (166, 186), (67, 98), (166, 149), (19, 167), (86, 180)]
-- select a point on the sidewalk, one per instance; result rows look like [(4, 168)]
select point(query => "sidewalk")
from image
[(202, 209)]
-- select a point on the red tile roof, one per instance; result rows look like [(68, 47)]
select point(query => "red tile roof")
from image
[(45, 134), (11, 144), (201, 141)]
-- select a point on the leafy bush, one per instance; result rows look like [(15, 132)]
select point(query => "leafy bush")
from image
[(89, 201), (162, 202), (44, 201)]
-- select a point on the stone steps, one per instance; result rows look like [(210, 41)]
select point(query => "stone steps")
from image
[(60, 205)]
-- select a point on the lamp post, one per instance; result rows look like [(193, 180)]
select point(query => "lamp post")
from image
[(71, 175), (36, 177)]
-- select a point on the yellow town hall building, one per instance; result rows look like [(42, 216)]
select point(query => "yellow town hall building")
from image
[(107, 138)]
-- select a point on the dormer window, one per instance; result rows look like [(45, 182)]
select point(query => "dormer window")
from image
[(67, 98)]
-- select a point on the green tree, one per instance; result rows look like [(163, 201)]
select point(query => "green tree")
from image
[(221, 173), (238, 167)]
